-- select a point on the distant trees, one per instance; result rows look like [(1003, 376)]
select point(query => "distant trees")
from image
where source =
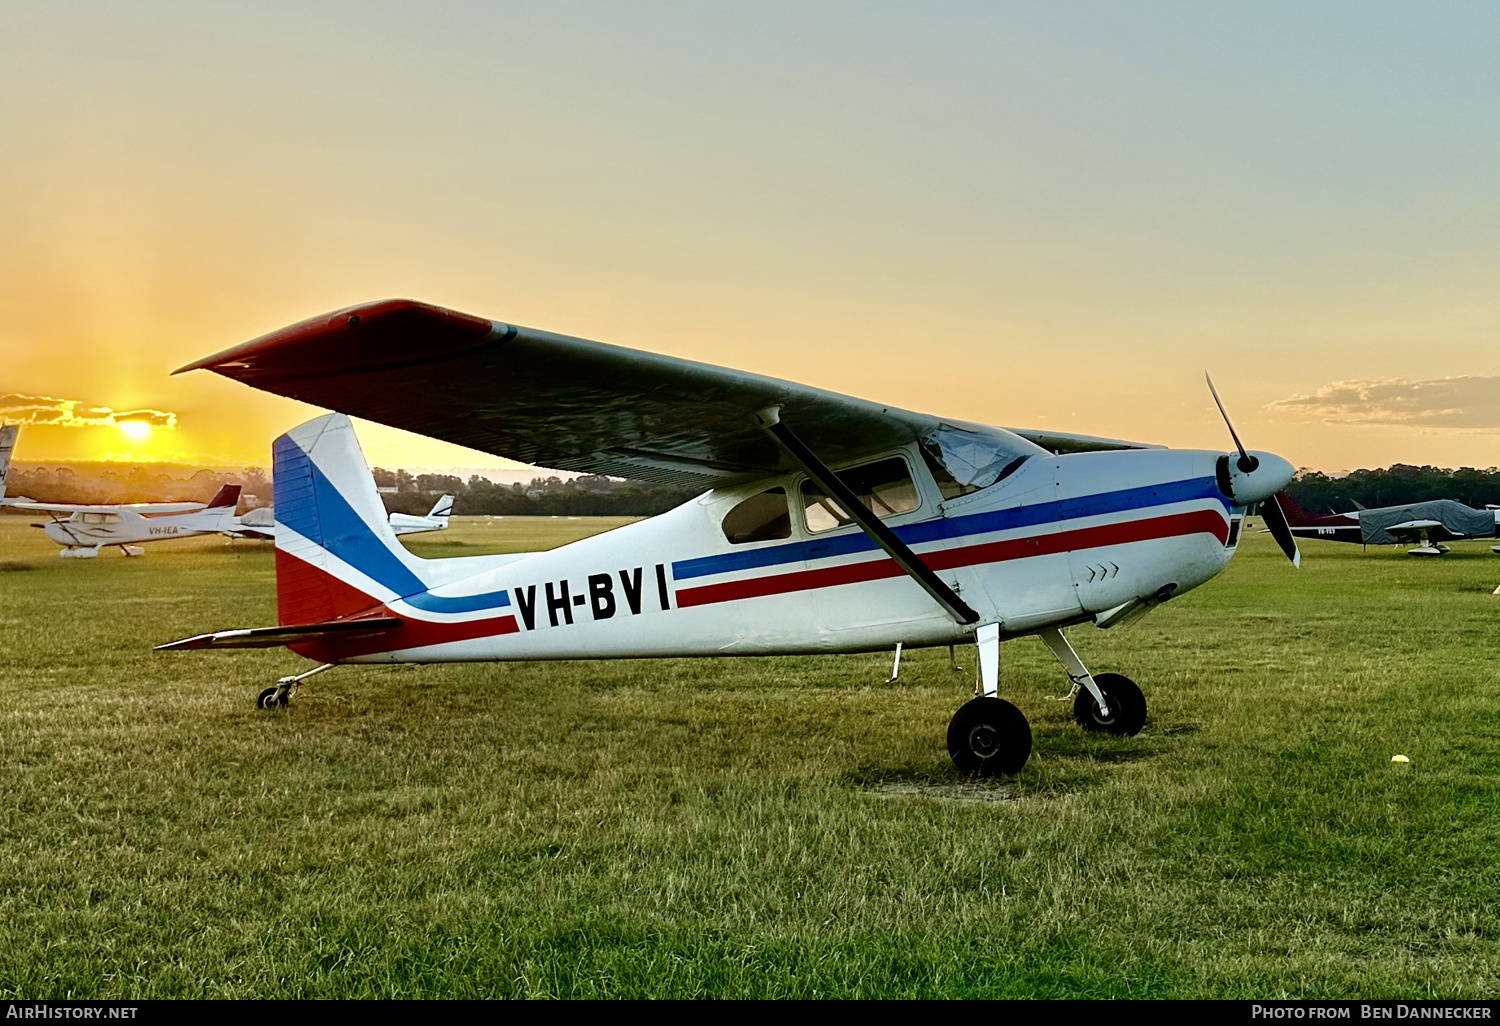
[(549, 496), (593, 495), (1394, 486), (109, 482)]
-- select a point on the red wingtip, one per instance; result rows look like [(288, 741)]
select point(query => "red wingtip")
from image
[(354, 338)]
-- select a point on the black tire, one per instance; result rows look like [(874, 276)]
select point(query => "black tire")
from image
[(989, 737), (1127, 707), (272, 698)]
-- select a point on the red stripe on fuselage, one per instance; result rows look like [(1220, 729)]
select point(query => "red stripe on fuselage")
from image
[(412, 633), (1198, 521)]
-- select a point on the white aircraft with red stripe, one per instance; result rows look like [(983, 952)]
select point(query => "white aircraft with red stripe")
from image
[(827, 523)]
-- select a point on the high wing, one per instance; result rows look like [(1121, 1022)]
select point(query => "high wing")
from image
[(568, 403), (133, 507), (1062, 442)]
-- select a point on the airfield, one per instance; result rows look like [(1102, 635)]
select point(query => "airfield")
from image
[(779, 827)]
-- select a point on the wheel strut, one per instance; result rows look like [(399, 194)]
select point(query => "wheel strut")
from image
[(1053, 638), (279, 696), (988, 736)]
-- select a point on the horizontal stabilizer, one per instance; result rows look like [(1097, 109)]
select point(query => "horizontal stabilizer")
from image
[(272, 637)]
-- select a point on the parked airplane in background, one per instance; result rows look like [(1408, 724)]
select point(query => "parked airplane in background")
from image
[(435, 520), (83, 528), (827, 523), (1422, 525), (261, 523)]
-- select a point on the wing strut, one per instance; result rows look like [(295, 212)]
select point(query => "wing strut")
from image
[(770, 421)]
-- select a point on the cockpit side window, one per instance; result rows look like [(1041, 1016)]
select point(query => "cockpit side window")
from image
[(949, 488), (761, 517), (885, 486)]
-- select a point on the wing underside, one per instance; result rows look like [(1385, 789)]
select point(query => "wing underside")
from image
[(144, 508), (567, 403)]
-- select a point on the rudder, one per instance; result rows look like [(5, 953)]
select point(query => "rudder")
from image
[(336, 554)]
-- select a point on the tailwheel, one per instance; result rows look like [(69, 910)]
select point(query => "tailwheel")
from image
[(275, 697), (1127, 706), (989, 737)]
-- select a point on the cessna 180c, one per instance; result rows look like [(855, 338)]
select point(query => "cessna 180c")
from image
[(826, 523), (82, 529)]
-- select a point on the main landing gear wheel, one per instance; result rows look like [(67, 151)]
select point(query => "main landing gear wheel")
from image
[(273, 698), (1127, 706), (989, 737)]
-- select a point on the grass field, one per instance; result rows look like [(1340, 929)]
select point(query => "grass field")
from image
[(755, 827)]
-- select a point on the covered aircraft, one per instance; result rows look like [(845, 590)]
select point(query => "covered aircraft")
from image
[(826, 523), (82, 529), (1422, 525)]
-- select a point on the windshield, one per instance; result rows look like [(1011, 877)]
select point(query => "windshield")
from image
[(964, 461)]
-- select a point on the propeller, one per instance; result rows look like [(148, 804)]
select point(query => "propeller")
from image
[(1248, 486), (1246, 462), (1275, 518)]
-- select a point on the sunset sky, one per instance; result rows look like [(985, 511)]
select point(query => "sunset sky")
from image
[(1052, 215)]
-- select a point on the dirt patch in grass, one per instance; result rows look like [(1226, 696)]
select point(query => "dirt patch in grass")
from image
[(12, 566)]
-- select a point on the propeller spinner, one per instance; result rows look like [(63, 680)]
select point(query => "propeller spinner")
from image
[(1253, 477)]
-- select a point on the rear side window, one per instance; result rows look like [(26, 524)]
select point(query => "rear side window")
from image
[(761, 517), (886, 487)]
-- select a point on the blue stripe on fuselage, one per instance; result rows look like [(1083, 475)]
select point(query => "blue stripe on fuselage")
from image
[(957, 527), (315, 509)]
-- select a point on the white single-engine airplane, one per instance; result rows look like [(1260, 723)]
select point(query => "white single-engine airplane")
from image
[(261, 523), (435, 520), (827, 523), (83, 528)]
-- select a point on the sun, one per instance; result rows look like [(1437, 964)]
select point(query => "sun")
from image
[(135, 430)]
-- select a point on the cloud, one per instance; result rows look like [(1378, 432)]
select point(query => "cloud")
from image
[(41, 409), (1454, 404)]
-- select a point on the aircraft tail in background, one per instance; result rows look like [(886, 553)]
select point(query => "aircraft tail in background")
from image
[(1296, 516), (227, 497), (8, 434)]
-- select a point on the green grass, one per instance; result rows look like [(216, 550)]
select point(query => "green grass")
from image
[(748, 828)]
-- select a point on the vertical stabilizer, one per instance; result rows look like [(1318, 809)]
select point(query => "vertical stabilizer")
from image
[(227, 497), (1296, 516), (8, 434), (336, 554)]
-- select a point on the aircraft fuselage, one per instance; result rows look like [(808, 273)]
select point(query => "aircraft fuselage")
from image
[(1061, 541)]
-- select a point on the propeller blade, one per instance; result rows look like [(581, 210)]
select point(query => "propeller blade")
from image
[(1275, 518), (1247, 462)]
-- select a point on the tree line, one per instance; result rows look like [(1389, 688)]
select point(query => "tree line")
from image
[(593, 495), (402, 491), (1395, 486)]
